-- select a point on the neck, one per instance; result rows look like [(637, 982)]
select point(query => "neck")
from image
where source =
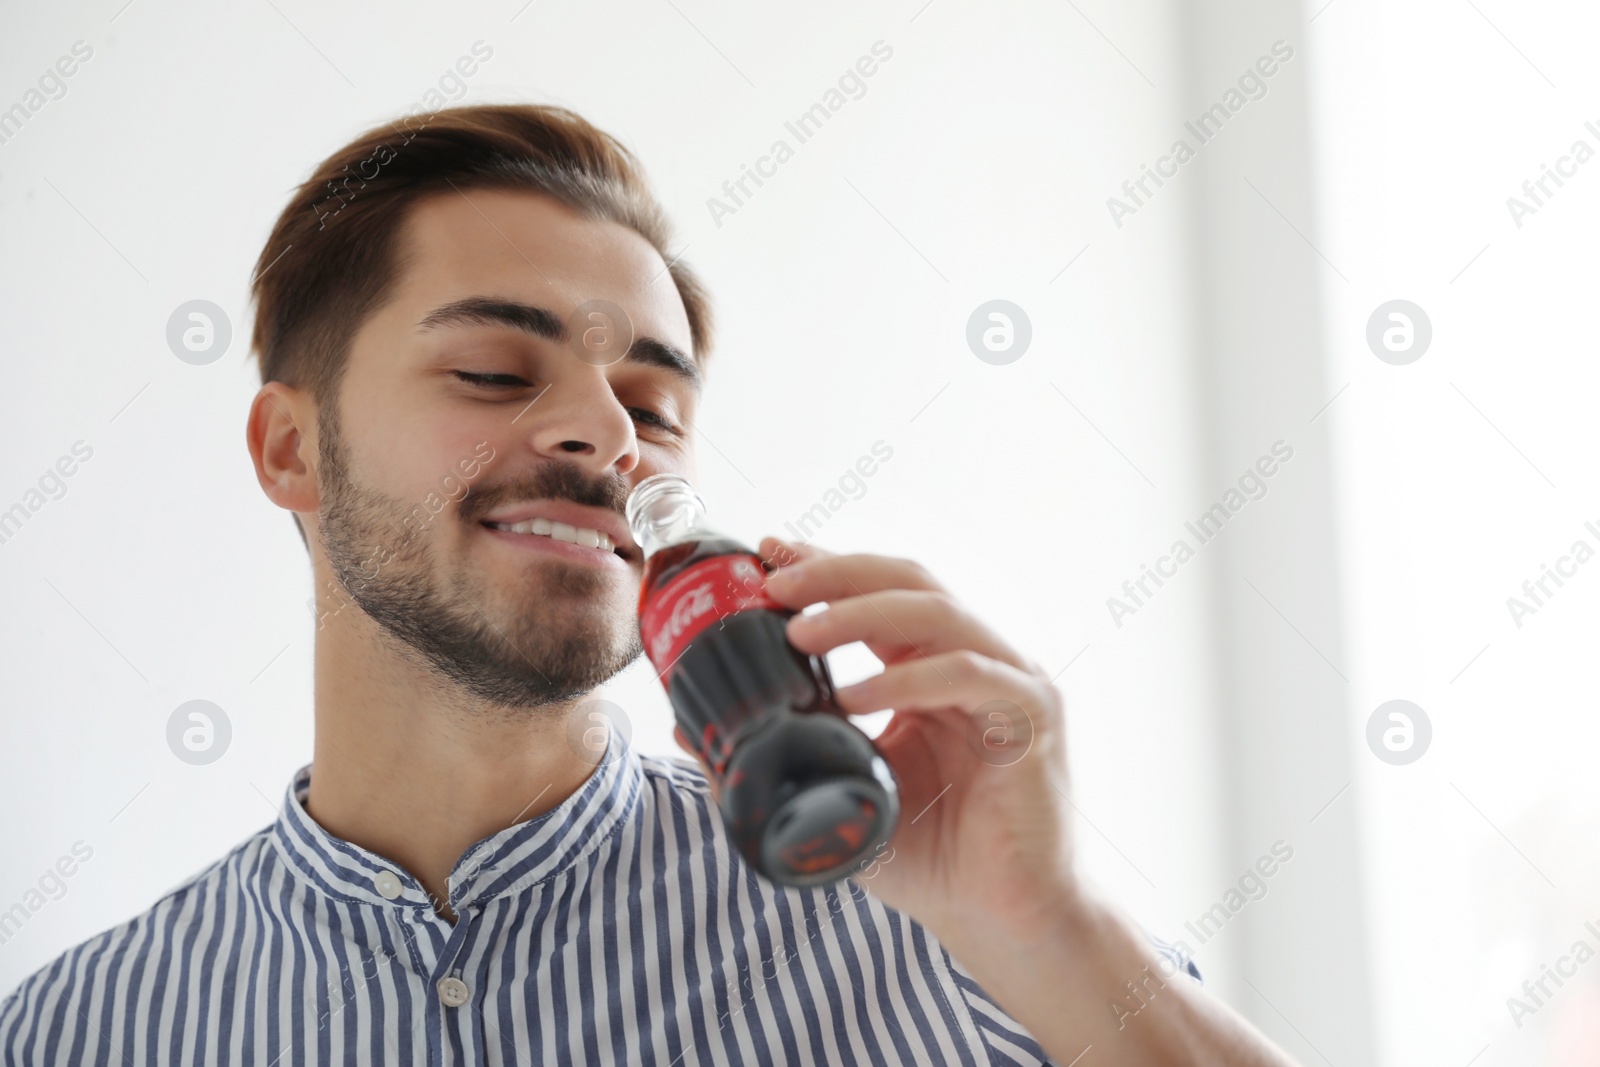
[(408, 767)]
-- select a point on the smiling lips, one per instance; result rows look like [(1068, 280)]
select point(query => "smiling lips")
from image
[(579, 531), (559, 531)]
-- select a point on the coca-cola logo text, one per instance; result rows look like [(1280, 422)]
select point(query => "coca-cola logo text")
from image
[(689, 603), (690, 606)]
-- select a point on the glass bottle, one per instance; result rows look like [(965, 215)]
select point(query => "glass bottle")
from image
[(806, 796)]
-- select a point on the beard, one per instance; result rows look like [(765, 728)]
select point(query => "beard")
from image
[(545, 636)]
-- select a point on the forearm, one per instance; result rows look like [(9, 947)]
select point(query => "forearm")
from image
[(1087, 976)]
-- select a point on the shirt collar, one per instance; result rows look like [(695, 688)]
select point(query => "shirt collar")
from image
[(502, 863)]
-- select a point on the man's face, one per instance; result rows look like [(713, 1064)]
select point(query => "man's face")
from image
[(465, 414)]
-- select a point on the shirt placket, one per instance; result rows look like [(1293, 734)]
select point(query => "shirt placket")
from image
[(452, 1002)]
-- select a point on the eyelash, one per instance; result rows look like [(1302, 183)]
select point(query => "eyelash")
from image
[(511, 381)]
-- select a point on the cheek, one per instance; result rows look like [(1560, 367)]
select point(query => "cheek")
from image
[(684, 462), (463, 453), (421, 458), (686, 458)]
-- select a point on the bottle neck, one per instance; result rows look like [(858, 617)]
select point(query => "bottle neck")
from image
[(665, 510)]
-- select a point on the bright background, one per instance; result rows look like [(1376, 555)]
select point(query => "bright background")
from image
[(1230, 312)]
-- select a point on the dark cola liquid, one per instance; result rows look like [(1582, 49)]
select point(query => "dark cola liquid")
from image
[(805, 794), (740, 668)]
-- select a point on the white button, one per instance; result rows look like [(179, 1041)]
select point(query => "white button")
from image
[(387, 884), (453, 991)]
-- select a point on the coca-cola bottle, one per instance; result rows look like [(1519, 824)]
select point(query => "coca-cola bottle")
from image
[(806, 796)]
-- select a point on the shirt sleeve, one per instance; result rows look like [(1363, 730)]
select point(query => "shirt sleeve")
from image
[(1009, 1045), (1178, 956)]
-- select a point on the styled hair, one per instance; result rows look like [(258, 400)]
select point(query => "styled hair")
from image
[(332, 256)]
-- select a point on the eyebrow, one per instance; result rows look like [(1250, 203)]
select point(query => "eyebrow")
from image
[(542, 322)]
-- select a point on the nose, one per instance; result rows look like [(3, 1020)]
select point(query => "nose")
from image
[(578, 420)]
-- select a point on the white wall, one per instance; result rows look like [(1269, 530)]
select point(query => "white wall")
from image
[(1301, 966), (1460, 475)]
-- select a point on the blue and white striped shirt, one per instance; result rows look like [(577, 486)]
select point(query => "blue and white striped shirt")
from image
[(620, 927)]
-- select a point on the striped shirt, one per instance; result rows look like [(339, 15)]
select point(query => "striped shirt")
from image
[(620, 927)]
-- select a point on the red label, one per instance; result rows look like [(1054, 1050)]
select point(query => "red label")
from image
[(706, 593)]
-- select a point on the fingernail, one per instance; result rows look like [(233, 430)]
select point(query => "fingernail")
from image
[(812, 619)]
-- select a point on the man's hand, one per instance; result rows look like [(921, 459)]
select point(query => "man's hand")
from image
[(977, 742), (983, 853)]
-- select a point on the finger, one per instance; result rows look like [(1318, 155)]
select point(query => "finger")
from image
[(781, 553), (830, 577), (964, 679), (897, 623)]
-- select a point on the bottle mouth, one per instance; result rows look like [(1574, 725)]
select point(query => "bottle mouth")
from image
[(661, 507)]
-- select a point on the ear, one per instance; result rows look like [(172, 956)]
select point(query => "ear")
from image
[(284, 456)]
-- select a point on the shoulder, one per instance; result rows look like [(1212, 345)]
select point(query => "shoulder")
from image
[(677, 782), (119, 971), (848, 950), (678, 802), (679, 773)]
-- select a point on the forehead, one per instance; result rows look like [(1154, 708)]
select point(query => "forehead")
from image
[(529, 247)]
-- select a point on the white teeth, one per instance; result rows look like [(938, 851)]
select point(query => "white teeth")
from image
[(560, 531)]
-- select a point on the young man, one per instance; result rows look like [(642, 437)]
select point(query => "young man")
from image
[(456, 878)]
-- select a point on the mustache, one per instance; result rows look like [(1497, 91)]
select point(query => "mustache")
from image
[(553, 481)]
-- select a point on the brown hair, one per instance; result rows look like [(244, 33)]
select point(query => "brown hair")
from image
[(331, 257)]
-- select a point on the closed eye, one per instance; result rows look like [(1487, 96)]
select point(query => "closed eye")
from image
[(512, 381), (492, 381), (650, 418)]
